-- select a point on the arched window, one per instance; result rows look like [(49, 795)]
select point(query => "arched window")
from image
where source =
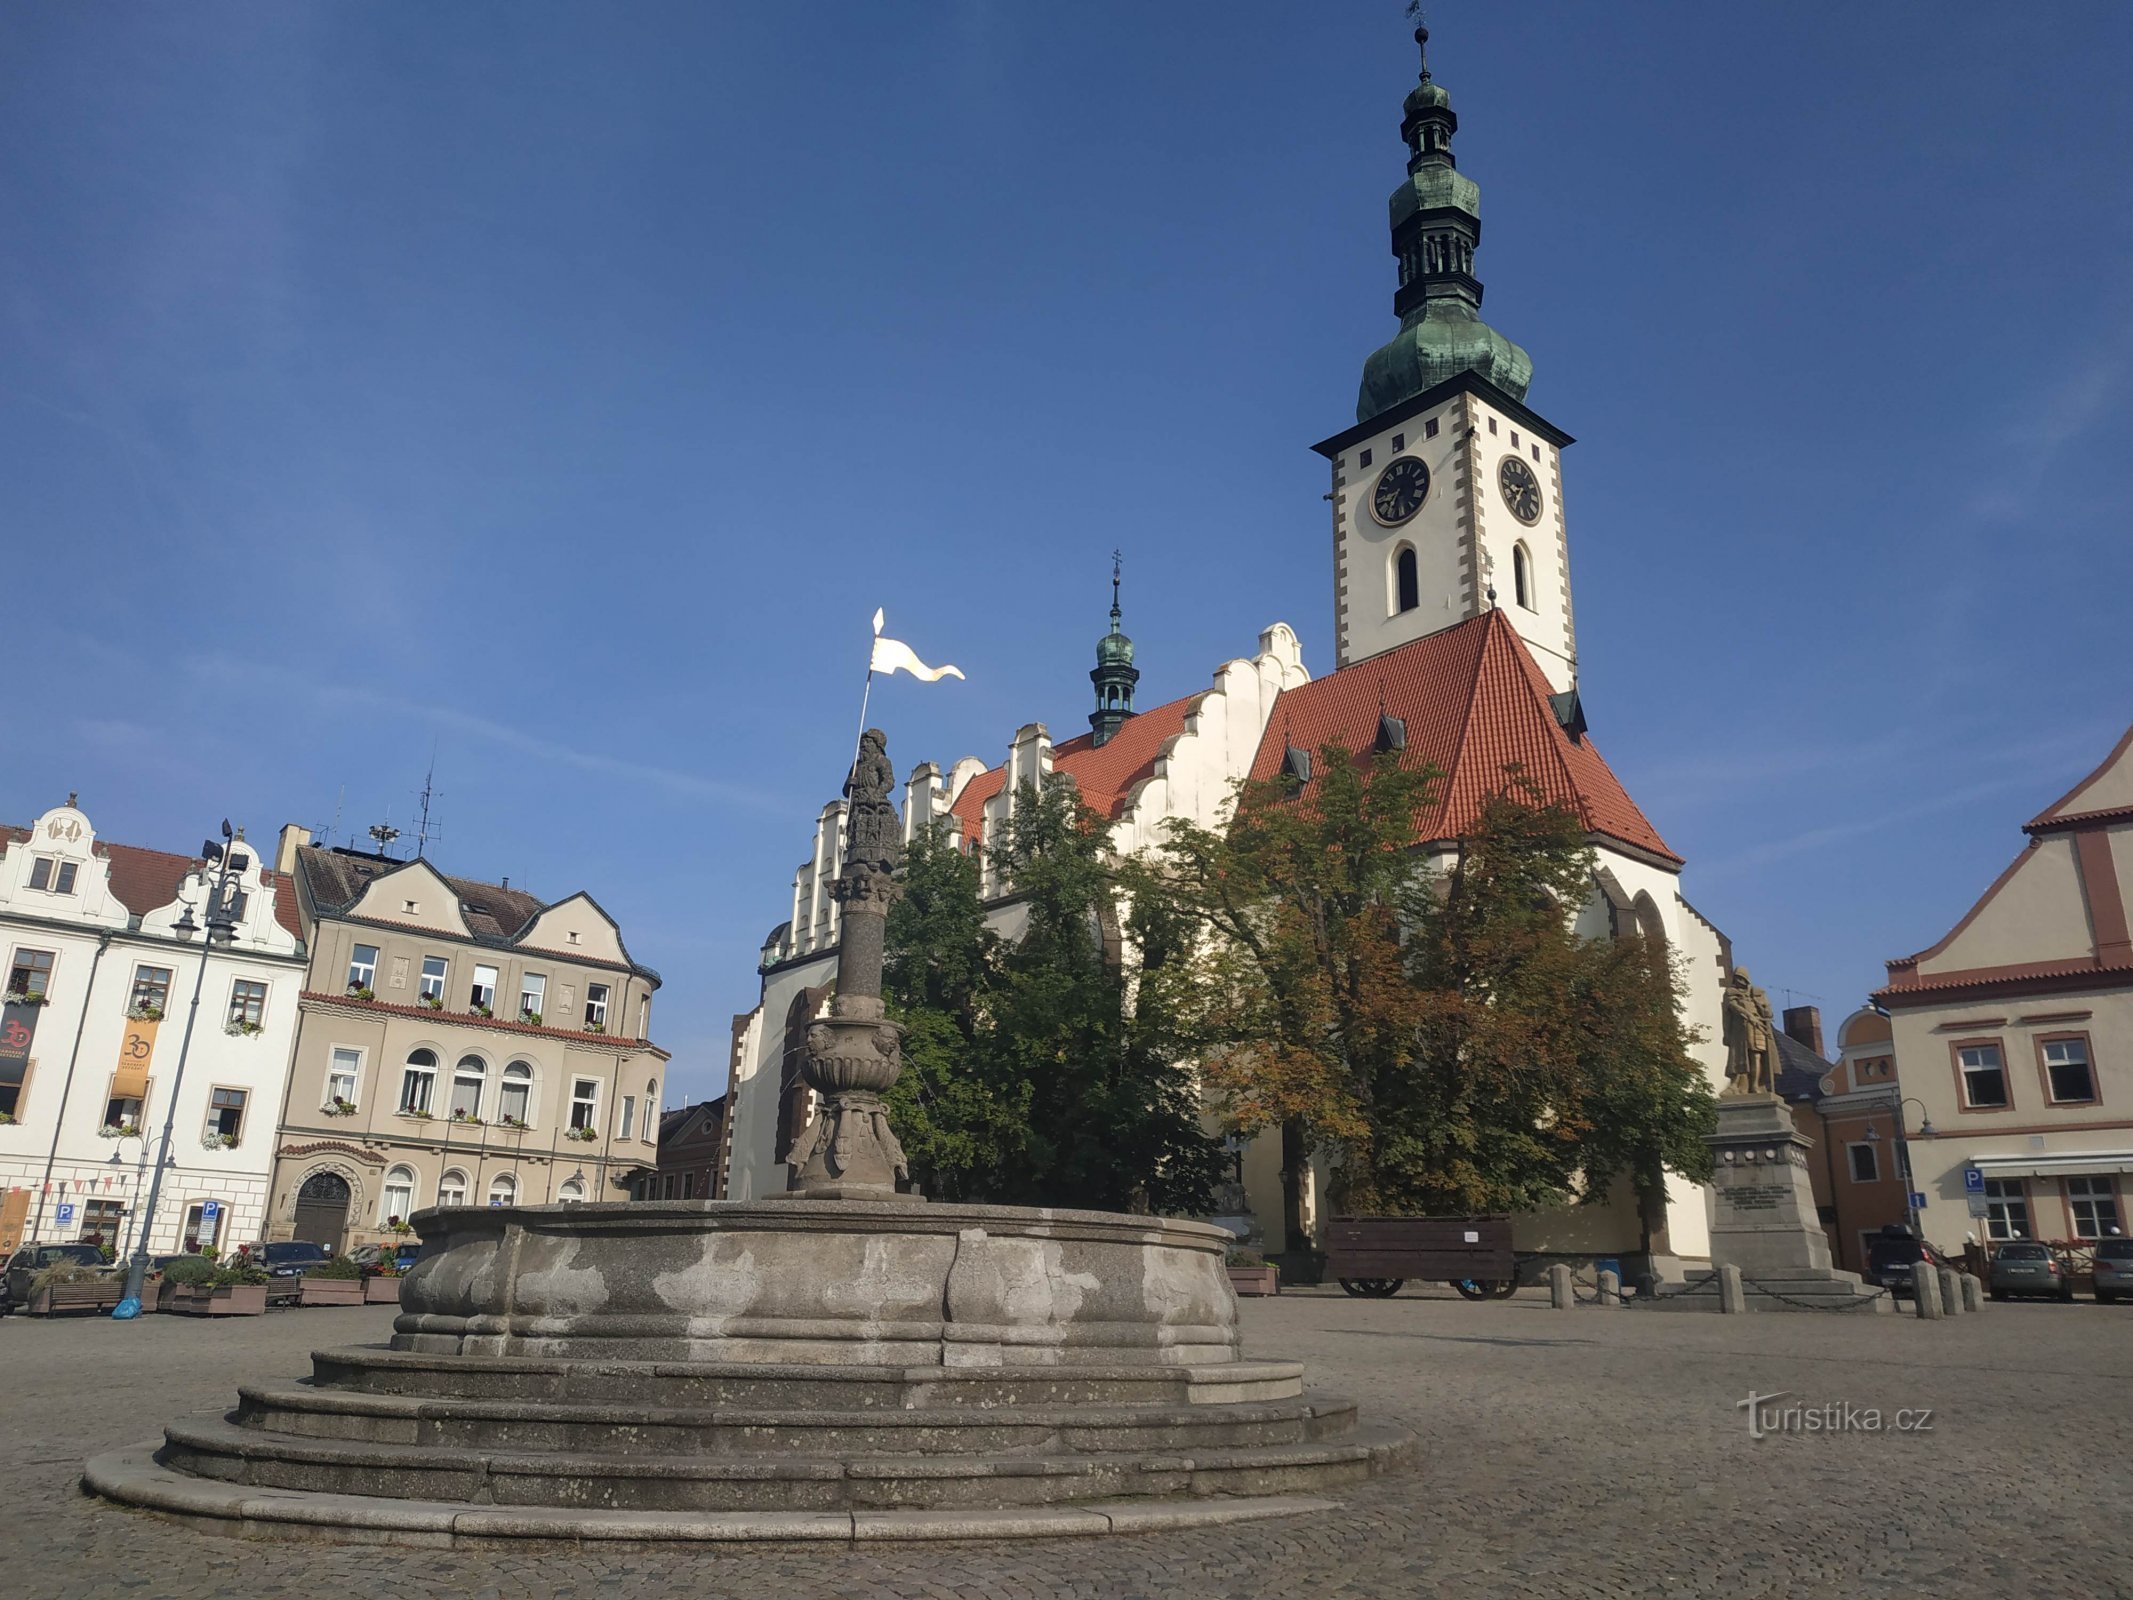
[(503, 1190), (651, 1112), (1406, 580), (515, 1104), (418, 1084), (467, 1081), (452, 1188), (396, 1200), (572, 1193), (1521, 577)]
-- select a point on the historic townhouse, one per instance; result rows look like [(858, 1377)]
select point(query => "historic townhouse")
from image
[(2014, 1034), (100, 979), (459, 1043)]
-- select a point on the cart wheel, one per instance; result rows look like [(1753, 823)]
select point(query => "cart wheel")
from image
[(1372, 1288), (1504, 1290), (1473, 1288)]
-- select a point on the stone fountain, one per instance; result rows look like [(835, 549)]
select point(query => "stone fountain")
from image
[(844, 1362)]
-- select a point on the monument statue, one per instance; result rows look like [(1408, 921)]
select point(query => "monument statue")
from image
[(854, 1055), (1750, 1038)]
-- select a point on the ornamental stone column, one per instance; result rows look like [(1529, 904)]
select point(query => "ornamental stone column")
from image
[(855, 1054)]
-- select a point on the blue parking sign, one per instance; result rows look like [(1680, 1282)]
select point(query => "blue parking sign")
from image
[(1973, 1181), (66, 1213), (210, 1210)]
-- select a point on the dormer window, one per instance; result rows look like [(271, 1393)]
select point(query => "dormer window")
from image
[(407, 908), (1295, 768), (1392, 733), (53, 875), (572, 936)]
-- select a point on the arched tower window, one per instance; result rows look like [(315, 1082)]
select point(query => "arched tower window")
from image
[(1522, 577), (1406, 580)]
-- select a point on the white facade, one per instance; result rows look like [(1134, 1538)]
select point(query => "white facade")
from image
[(97, 1060), (1466, 538)]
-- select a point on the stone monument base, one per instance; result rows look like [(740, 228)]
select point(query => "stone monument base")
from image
[(785, 1369)]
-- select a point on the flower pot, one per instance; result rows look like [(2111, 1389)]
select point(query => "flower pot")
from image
[(381, 1291), (234, 1300), (331, 1292), (1255, 1280), (101, 1295)]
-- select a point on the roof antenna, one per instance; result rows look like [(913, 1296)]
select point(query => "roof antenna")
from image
[(325, 833), (425, 830), (383, 834)]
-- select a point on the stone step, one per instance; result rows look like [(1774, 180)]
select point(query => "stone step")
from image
[(711, 1384), (228, 1453), (664, 1430)]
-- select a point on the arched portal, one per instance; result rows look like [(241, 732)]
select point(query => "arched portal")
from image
[(322, 1210)]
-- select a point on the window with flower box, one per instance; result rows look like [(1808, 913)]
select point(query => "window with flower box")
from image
[(151, 989), (363, 967), (515, 1103), (532, 994), (596, 1006), (418, 1083), (396, 1201), (248, 1005), (30, 973), (584, 1103), (343, 1076), (468, 1080), (431, 988), (482, 995), (225, 1116)]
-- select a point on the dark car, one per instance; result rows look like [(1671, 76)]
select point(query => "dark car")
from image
[(285, 1263), (2114, 1270), (30, 1259), (2027, 1267), (375, 1259), (1893, 1253)]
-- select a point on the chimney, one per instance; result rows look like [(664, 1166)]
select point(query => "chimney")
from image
[(293, 838), (1804, 1023)]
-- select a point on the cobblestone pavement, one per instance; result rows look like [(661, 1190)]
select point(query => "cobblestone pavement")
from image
[(1564, 1453)]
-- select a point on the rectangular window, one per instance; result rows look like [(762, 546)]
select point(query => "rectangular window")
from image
[(1866, 1164), (2095, 1207), (123, 1111), (483, 994), (201, 1234), (1536, 452), (363, 966), (1399, 443), (628, 1125), (248, 1004), (1362, 460), (417, 1085), (1984, 1077), (342, 1076), (1429, 428), (53, 875), (433, 970), (1492, 424), (2066, 1071), (2006, 1209), (584, 1101), (1514, 438), (532, 993), (30, 973), (151, 988), (596, 1005), (102, 1221), (225, 1115)]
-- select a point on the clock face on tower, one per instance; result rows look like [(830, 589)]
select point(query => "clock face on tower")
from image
[(1402, 487), (1521, 490)]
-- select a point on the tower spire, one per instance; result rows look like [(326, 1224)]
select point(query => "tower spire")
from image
[(1115, 674)]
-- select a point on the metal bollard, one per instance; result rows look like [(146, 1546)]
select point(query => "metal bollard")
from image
[(1925, 1291), (1731, 1296), (1973, 1293), (1561, 1294), (1951, 1292), (1610, 1290)]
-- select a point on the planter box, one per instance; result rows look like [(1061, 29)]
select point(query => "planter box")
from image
[(381, 1291), (1255, 1280), (210, 1300), (331, 1292), (101, 1295)]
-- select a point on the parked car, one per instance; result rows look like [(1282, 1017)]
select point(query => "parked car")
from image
[(29, 1259), (2114, 1270), (2029, 1267), (285, 1262), (1893, 1253), (375, 1258)]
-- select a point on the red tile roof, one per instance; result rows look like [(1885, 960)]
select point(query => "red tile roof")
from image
[(1107, 773), (144, 880), (1474, 701)]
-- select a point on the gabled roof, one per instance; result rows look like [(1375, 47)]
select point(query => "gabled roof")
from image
[(1107, 774), (1474, 702), (2104, 795), (144, 880), (1799, 1070)]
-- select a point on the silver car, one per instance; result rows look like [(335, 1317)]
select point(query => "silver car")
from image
[(2024, 1266), (2114, 1270)]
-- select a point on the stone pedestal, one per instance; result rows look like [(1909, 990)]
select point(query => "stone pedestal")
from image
[(1763, 1209)]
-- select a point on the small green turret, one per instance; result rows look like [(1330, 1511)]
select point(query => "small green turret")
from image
[(1115, 674)]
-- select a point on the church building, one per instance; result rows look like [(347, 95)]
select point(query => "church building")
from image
[(1453, 641)]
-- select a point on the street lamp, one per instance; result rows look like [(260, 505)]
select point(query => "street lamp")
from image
[(230, 864), (1926, 1130)]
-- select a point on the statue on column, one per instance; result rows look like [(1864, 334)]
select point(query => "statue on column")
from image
[(1750, 1037)]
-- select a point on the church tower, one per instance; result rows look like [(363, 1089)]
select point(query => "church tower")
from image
[(1114, 674), (1447, 492)]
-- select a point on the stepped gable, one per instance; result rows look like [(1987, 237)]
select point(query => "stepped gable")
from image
[(145, 880), (1107, 773), (1474, 701)]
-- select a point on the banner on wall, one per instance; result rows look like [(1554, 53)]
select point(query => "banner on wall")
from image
[(129, 1080), (18, 1031)]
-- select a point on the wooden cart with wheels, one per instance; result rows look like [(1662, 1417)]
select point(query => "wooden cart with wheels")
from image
[(1372, 1257)]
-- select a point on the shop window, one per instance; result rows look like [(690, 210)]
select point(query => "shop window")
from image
[(2095, 1207)]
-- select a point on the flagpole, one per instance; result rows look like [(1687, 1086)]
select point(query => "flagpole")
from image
[(866, 693)]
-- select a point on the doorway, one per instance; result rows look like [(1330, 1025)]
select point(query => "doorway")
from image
[(322, 1210)]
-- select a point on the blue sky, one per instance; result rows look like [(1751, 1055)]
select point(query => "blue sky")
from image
[(562, 387)]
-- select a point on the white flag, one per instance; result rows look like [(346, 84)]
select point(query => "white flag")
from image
[(893, 655)]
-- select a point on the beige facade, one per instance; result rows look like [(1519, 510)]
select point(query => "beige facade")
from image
[(2014, 1034), (460, 1043)]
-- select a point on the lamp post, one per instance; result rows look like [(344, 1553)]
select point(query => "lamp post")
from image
[(230, 863), (1926, 1130), (140, 1171)]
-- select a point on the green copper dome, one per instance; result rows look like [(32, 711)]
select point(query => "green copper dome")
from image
[(1114, 650), (1436, 228)]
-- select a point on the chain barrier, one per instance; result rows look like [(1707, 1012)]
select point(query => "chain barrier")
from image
[(1592, 1294), (1856, 1303)]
